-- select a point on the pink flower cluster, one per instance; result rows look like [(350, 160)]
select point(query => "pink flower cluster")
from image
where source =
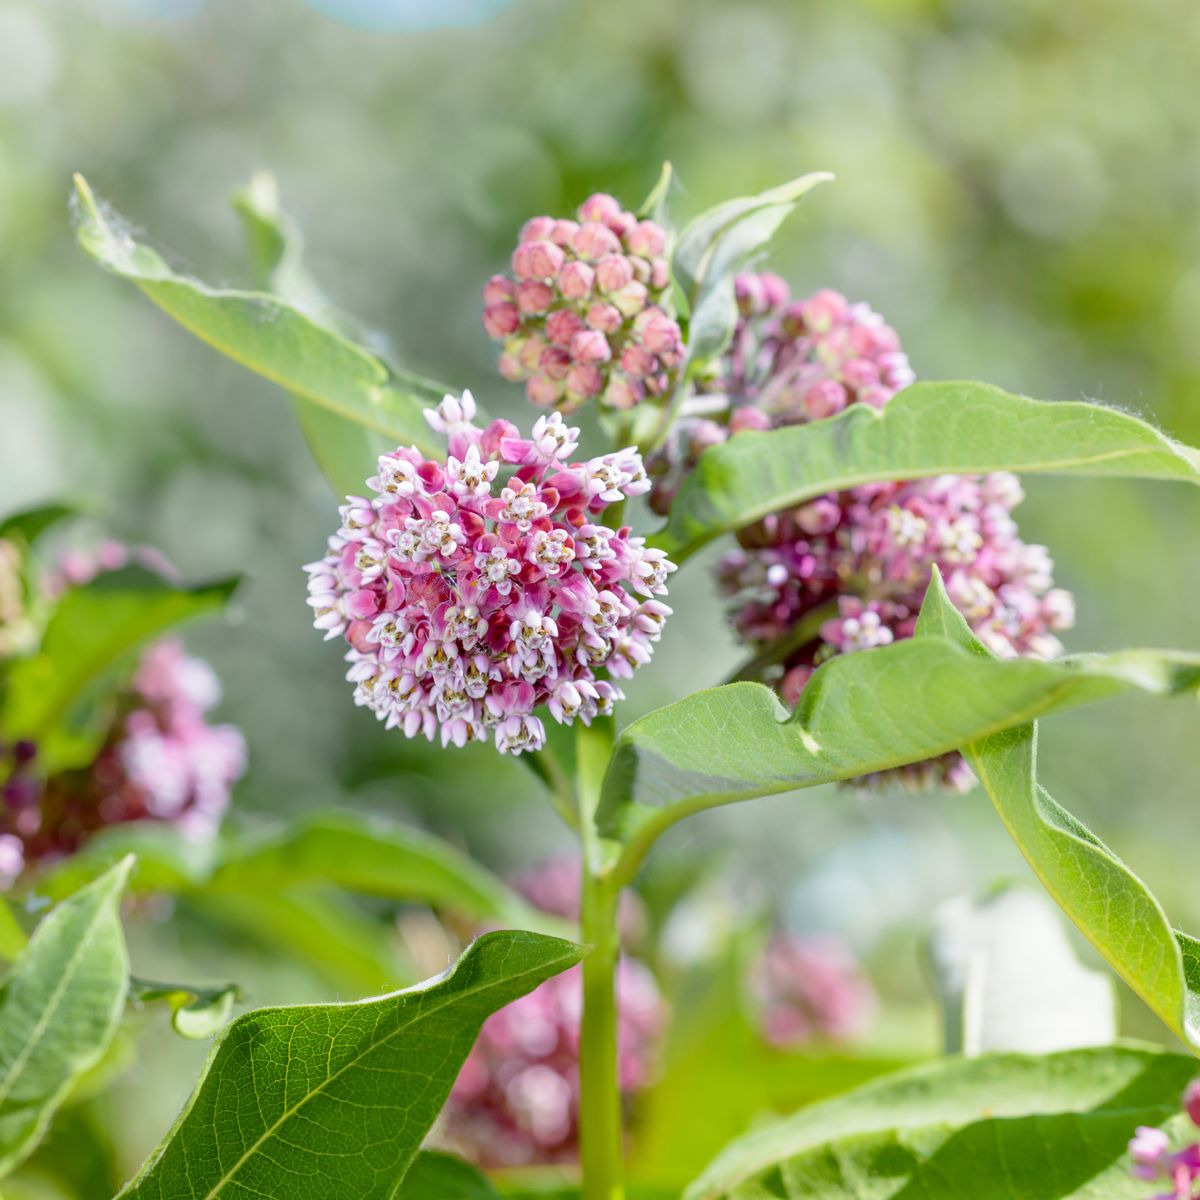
[(469, 599), (516, 1100), (586, 313), (1150, 1149), (848, 571), (810, 988)]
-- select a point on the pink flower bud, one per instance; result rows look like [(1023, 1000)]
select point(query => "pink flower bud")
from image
[(647, 239), (623, 392), (1191, 1101), (530, 352), (823, 310), (860, 373), (584, 381), (599, 208), (594, 241), (874, 395), (498, 289), (537, 228), (613, 272), (510, 368), (656, 331), (590, 346), (501, 319), (622, 224), (542, 391), (576, 280), (604, 317), (534, 297), (631, 299), (660, 274), (637, 361), (545, 259), (746, 418), (563, 232), (561, 326), (555, 362), (824, 399), (703, 435)]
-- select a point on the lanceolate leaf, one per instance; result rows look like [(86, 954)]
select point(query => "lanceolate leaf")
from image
[(860, 713), (1109, 904), (928, 429), (718, 243), (998, 1127), (59, 1008), (93, 631), (338, 1097), (377, 859), (269, 335), (437, 1176)]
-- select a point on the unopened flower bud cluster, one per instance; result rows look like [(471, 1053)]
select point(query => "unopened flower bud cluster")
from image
[(471, 598), (586, 314)]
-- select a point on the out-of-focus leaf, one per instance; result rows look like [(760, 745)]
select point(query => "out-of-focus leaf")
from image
[(59, 1008), (1108, 903), (860, 713), (718, 243), (344, 450), (30, 524), (265, 333), (1008, 978), (437, 1176), (195, 1012), (12, 936), (654, 207), (927, 429), (998, 1127), (93, 632), (339, 1095), (375, 858)]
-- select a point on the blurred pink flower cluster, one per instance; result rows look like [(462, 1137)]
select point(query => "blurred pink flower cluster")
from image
[(160, 760), (848, 571), (1150, 1149), (810, 989), (586, 313), (516, 1100), (469, 599)]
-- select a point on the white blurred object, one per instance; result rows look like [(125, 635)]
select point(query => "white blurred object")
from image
[(1008, 978)]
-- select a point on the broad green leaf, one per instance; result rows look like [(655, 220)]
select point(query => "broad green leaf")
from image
[(339, 1095), (376, 858), (860, 713), (195, 1012), (927, 429), (437, 1176), (344, 450), (59, 1008), (1107, 902), (12, 936), (265, 333), (718, 243), (93, 632), (1008, 978), (998, 1127)]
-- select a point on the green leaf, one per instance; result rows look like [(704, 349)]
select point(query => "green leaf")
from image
[(654, 207), (344, 450), (59, 1008), (339, 1095), (30, 524), (1107, 902), (928, 429), (195, 1012), (269, 335), (860, 713), (92, 633), (437, 1176), (720, 242), (1008, 978), (376, 858), (12, 936), (999, 1127)]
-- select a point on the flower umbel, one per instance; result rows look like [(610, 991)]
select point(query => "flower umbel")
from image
[(587, 310), (469, 600)]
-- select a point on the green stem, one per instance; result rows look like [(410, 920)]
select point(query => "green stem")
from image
[(784, 647), (600, 1135)]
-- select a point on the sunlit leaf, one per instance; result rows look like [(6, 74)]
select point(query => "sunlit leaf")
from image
[(59, 1008), (1110, 905), (339, 1095), (998, 1127), (926, 430)]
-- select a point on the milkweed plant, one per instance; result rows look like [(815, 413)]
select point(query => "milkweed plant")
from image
[(496, 584)]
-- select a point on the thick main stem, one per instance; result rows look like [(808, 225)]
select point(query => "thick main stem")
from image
[(600, 1140)]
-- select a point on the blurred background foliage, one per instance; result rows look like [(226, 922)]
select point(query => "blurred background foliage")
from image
[(1018, 192)]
